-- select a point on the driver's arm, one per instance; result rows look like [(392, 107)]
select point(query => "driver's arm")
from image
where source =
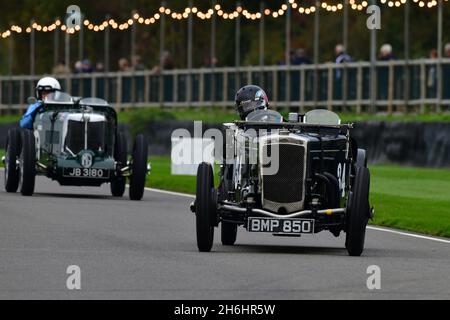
[(28, 118)]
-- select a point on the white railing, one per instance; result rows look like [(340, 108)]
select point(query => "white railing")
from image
[(400, 86)]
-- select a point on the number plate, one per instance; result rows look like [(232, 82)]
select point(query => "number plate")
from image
[(86, 173), (281, 226)]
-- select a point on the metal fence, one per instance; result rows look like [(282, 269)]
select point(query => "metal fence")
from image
[(399, 86)]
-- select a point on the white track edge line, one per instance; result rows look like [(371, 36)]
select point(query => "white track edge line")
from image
[(408, 234)]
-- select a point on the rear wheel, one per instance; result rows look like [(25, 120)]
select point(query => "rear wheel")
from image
[(11, 159), (138, 168), (205, 207), (358, 211), (27, 162), (120, 155), (229, 233)]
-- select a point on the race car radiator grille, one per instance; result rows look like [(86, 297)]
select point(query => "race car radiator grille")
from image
[(283, 192)]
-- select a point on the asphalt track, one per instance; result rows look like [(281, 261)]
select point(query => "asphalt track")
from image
[(147, 250)]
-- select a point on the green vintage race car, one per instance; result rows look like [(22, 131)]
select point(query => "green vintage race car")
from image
[(76, 142)]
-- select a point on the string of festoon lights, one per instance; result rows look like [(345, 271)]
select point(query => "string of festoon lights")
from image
[(206, 15)]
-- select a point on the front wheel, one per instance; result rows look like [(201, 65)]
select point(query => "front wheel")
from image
[(358, 211), (205, 207), (11, 160), (138, 168), (120, 155), (27, 163)]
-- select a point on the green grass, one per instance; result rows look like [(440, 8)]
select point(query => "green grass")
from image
[(11, 118), (140, 117), (414, 199), (161, 177)]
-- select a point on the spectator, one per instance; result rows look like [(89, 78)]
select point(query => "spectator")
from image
[(209, 63), (99, 67), (299, 57), (167, 61), (447, 50), (86, 66), (124, 65), (386, 53), (341, 55), (61, 69), (78, 67), (432, 76), (137, 64)]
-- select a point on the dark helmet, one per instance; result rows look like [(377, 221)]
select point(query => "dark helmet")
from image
[(249, 99)]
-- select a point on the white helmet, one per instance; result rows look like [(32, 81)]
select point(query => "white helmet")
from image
[(48, 84)]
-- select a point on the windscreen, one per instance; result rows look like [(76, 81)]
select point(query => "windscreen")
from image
[(93, 102), (58, 97), (322, 117), (265, 116)]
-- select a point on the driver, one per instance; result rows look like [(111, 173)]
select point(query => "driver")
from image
[(249, 99), (44, 87)]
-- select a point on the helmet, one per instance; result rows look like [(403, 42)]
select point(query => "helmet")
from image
[(47, 84), (249, 99)]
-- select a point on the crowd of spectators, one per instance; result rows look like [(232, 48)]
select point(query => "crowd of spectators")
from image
[(298, 56)]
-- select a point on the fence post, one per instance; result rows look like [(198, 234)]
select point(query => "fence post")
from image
[(225, 88), (439, 69), (330, 87), (162, 36), (119, 90), (189, 53), (213, 53), (359, 88), (390, 87), (94, 86), (302, 90), (56, 46), (275, 87), (32, 49), (422, 86), (316, 52), (373, 71), (287, 55), (175, 87), (406, 84)]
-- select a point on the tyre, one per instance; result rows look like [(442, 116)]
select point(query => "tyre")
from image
[(11, 157), (138, 168), (358, 212), (205, 207), (27, 162), (361, 158), (121, 156), (228, 233)]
